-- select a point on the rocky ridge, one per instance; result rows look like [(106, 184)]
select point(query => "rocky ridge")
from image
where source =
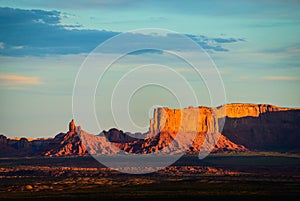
[(256, 127)]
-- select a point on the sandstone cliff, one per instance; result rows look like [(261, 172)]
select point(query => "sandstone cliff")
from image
[(238, 110), (199, 122), (205, 119), (263, 127), (260, 127), (200, 119)]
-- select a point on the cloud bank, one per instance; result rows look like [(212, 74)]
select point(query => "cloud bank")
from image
[(40, 33)]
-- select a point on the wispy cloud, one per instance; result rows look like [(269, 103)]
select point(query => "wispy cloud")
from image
[(17, 47), (227, 40), (15, 80), (146, 51), (279, 78)]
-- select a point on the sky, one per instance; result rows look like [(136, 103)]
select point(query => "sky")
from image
[(255, 46)]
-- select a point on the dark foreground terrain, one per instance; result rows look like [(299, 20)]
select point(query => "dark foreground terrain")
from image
[(244, 176)]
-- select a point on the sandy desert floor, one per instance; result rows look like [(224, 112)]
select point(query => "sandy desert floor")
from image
[(245, 176)]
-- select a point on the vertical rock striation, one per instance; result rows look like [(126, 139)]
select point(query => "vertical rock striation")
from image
[(200, 120), (254, 126)]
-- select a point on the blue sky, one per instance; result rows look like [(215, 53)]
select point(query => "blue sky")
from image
[(254, 44)]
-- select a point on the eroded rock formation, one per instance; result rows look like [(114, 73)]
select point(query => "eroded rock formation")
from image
[(200, 120), (72, 126), (253, 127), (66, 144), (259, 127)]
